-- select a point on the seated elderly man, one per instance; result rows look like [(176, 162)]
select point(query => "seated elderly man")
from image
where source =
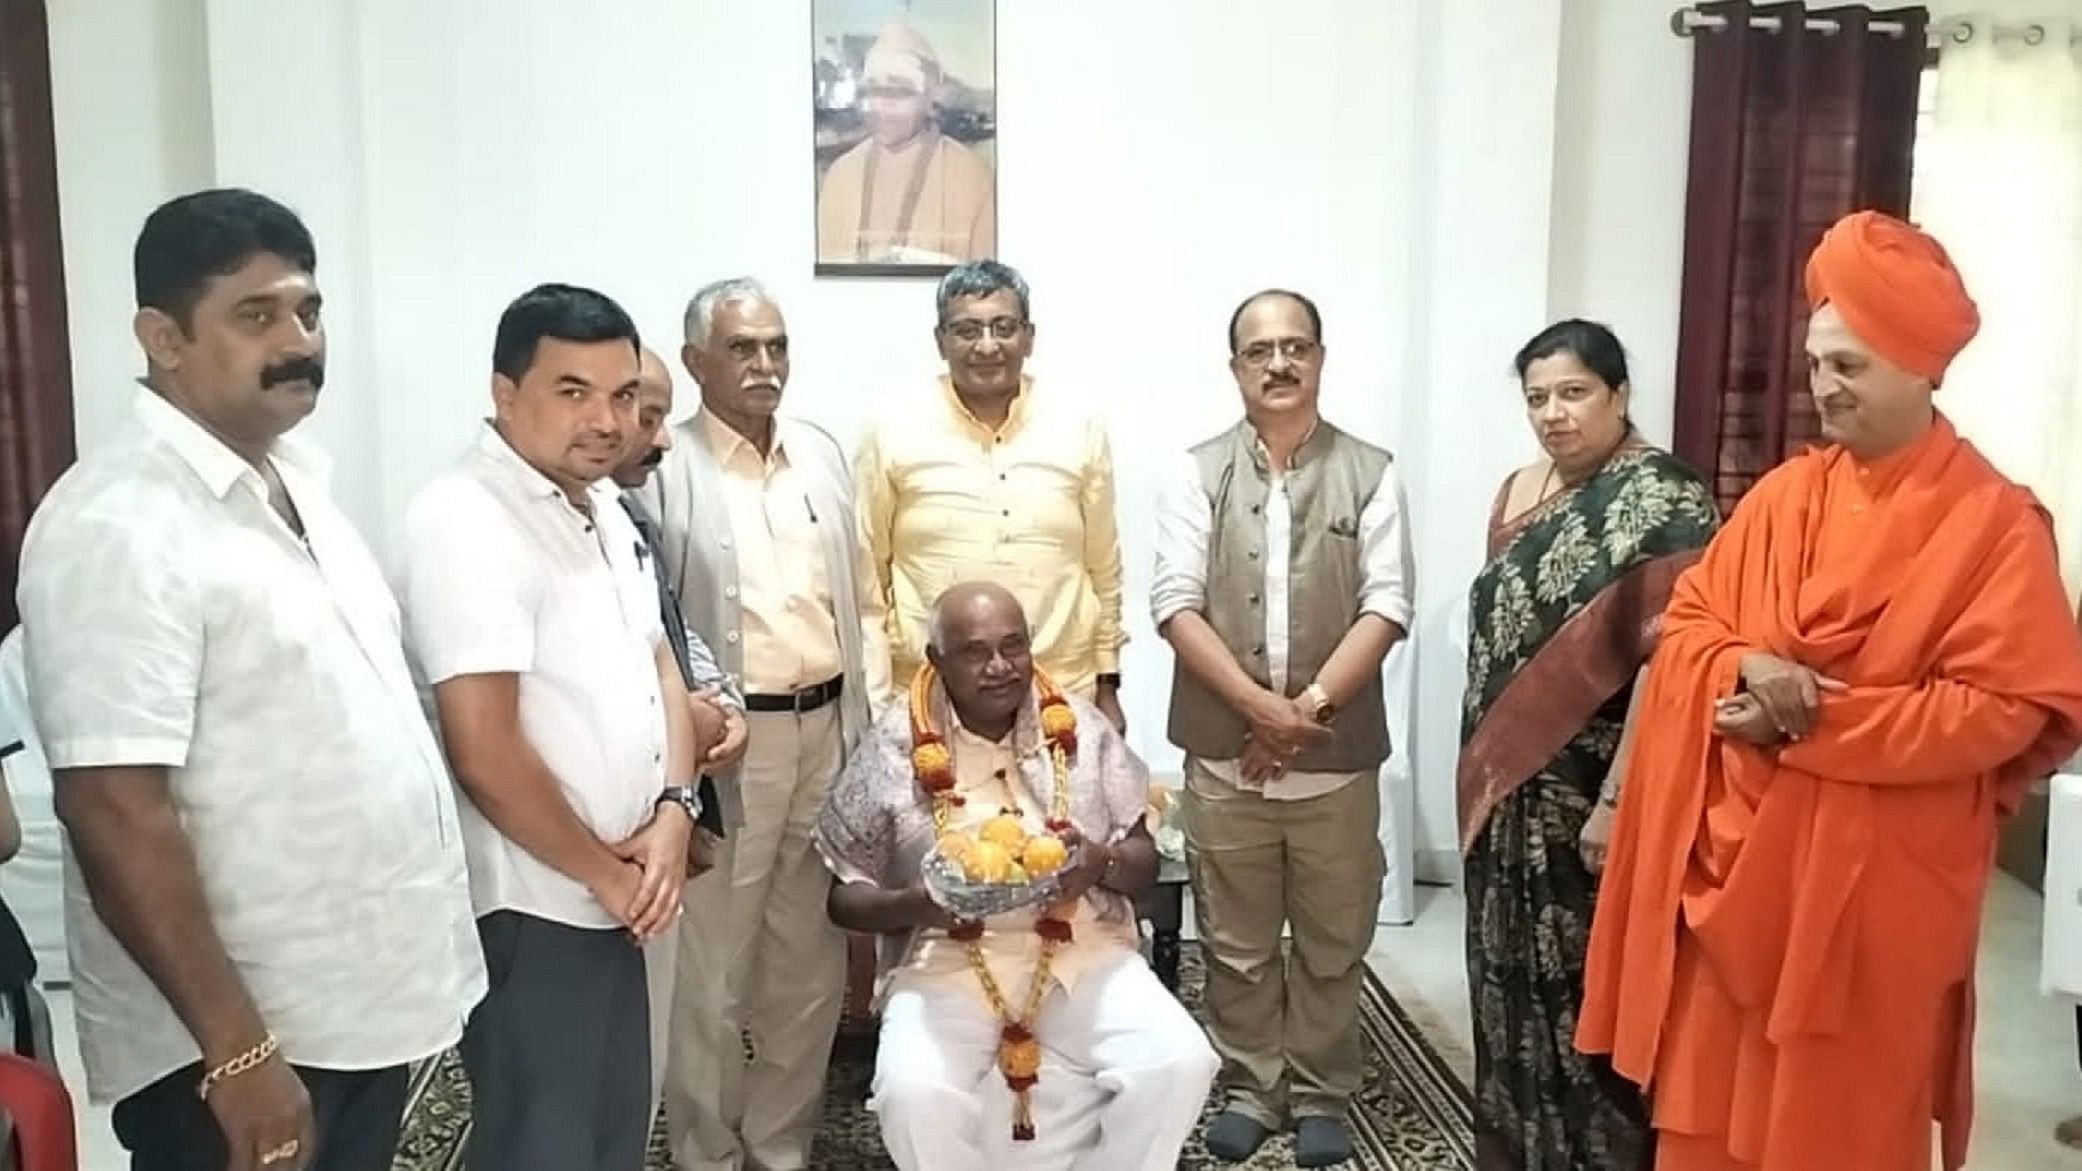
[(1038, 1038)]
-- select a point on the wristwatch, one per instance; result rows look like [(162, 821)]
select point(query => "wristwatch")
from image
[(683, 796), (1320, 709)]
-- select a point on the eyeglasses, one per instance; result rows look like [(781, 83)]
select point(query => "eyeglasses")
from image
[(969, 332), (1294, 349)]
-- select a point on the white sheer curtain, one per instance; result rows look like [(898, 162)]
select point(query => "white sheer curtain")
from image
[(1999, 180)]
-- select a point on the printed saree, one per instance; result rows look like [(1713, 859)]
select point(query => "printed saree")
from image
[(1561, 619)]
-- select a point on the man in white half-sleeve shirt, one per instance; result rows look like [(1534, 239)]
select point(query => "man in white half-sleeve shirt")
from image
[(535, 620), (265, 887), (1282, 581)]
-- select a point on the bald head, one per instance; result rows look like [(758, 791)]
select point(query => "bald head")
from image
[(653, 374), (651, 439), (979, 646), (964, 606)]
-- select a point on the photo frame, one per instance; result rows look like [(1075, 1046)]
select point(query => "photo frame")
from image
[(904, 131)]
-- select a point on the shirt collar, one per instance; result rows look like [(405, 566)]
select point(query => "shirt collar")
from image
[(215, 464), (639, 515), (1303, 451), (1015, 418), (529, 479), (726, 443)]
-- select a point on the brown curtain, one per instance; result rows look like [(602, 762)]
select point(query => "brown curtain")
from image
[(35, 371), (1792, 128)]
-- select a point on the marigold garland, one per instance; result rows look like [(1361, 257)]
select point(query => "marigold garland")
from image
[(932, 761)]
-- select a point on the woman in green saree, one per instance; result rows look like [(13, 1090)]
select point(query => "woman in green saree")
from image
[(1584, 546)]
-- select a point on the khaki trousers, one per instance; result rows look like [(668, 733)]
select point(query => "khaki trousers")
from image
[(1286, 1025), (761, 969)]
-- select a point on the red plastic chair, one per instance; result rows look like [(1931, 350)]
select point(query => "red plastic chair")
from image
[(37, 1103)]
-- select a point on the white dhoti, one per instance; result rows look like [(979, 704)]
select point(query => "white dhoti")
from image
[(1124, 1073)]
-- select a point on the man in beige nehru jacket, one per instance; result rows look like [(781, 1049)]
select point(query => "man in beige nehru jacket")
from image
[(1282, 581), (757, 515), (907, 193)]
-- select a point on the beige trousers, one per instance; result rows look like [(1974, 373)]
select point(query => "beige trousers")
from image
[(761, 969), (1286, 1025)]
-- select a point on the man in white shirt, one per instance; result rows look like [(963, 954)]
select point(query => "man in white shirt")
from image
[(264, 877), (1038, 1038), (1282, 581), (535, 620)]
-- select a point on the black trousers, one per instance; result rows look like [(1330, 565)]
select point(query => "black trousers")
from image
[(559, 1050), (165, 1127)]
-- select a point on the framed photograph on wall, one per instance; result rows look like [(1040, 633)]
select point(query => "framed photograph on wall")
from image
[(905, 124)]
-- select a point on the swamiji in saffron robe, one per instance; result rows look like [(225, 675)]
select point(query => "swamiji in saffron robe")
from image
[(1783, 949)]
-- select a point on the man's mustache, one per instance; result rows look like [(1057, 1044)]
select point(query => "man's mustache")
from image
[(311, 370), (653, 458)]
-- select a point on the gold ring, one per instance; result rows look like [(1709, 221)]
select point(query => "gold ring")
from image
[(287, 1150)]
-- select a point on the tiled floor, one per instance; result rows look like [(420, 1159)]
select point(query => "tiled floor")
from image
[(2028, 1078), (2025, 1062)]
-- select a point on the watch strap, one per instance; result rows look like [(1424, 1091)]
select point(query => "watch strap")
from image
[(684, 796)]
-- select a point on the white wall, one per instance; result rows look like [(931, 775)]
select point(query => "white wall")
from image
[(1477, 288), (1622, 145), (130, 90), (1394, 161)]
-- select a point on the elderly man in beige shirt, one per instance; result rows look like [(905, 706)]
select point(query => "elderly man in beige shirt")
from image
[(756, 511)]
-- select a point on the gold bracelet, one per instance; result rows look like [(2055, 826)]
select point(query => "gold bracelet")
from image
[(250, 1059)]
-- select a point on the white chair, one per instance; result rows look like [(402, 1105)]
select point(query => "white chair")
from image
[(2060, 965)]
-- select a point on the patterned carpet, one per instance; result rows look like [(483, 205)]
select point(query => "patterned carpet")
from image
[(1411, 1115)]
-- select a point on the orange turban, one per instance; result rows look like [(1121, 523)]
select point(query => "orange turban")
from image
[(1896, 290)]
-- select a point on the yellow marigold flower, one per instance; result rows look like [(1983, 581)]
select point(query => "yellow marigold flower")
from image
[(928, 759), (1057, 720)]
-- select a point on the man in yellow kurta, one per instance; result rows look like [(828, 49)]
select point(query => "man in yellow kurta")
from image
[(907, 193), (983, 478)]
